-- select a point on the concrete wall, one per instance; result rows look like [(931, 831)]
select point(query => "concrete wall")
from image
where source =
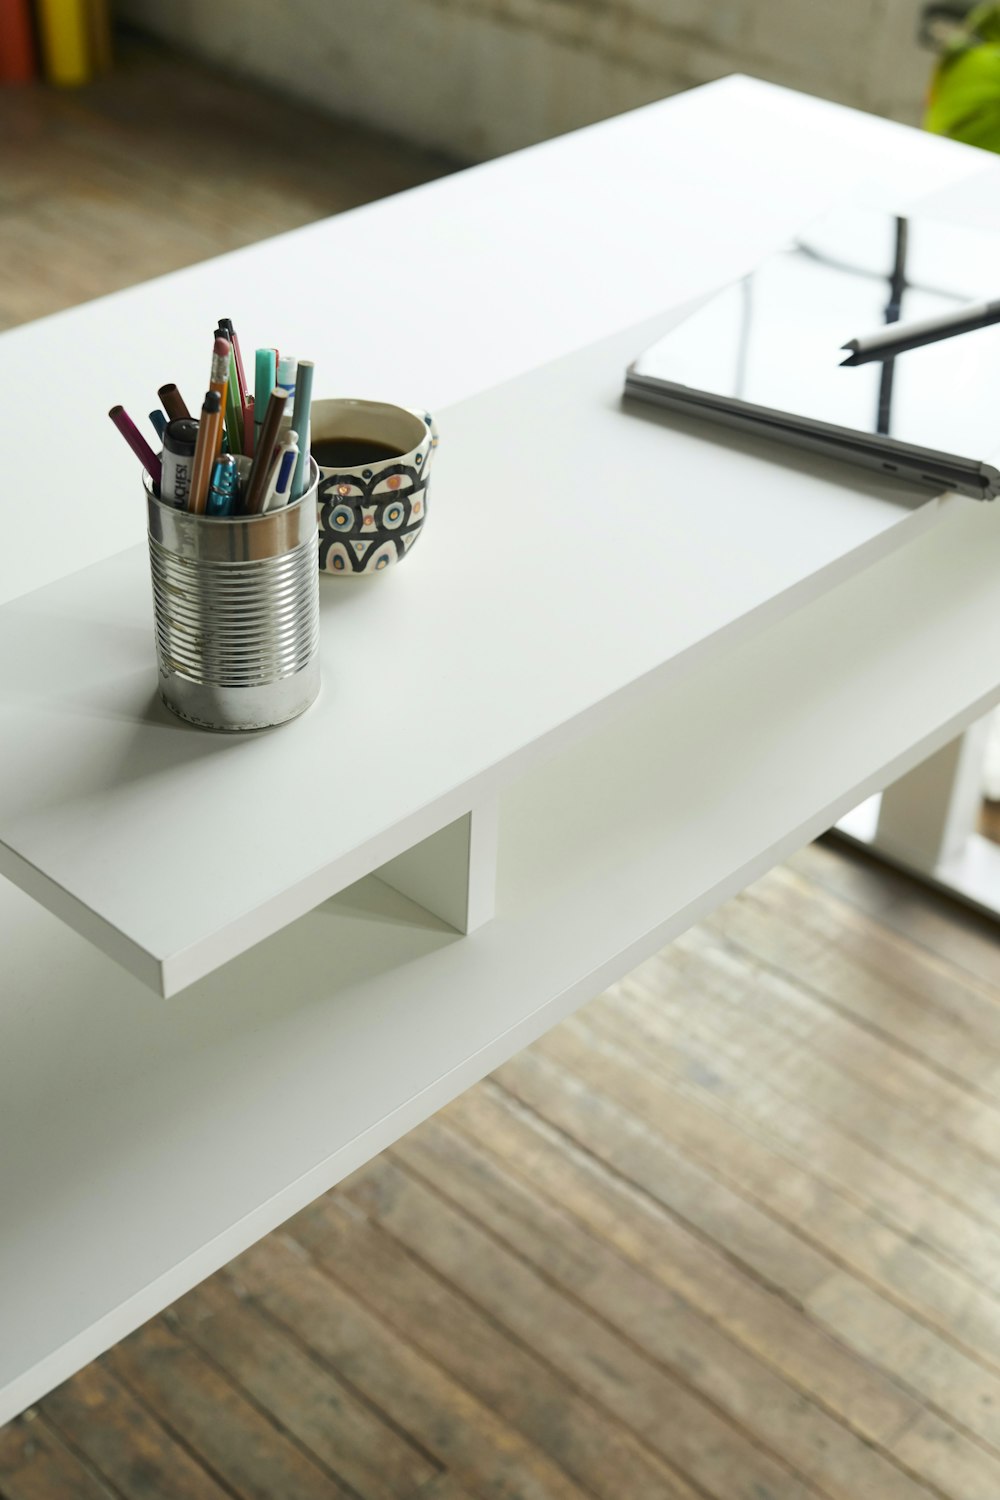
[(480, 77)]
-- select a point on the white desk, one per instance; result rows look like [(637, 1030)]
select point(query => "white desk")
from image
[(627, 669)]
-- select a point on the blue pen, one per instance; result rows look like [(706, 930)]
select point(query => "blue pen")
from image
[(283, 488), (159, 422), (223, 488)]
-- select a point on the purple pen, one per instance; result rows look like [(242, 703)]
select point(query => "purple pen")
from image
[(136, 442)]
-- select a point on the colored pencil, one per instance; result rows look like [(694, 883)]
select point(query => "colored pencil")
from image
[(234, 412), (209, 439), (300, 421), (173, 402), (136, 442), (270, 427), (249, 432), (158, 421), (241, 379), (219, 380)]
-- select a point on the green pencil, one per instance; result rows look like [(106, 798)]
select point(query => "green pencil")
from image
[(234, 417)]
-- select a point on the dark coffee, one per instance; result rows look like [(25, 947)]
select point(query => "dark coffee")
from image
[(352, 452)]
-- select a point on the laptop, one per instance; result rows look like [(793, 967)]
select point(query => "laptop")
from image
[(765, 354)]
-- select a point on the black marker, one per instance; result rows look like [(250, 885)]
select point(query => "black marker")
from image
[(179, 439)]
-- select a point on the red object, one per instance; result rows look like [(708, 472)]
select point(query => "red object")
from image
[(17, 42)]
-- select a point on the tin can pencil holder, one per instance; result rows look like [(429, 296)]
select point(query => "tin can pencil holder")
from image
[(236, 605)]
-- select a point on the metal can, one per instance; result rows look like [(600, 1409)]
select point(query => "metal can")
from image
[(236, 606)]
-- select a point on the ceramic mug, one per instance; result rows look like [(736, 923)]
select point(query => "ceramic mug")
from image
[(371, 513)]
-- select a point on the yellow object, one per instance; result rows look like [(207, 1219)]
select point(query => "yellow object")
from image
[(99, 30), (63, 26)]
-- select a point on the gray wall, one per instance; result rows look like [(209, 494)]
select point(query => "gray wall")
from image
[(479, 77)]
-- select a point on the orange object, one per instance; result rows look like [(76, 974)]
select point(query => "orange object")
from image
[(17, 44), (219, 383), (208, 444)]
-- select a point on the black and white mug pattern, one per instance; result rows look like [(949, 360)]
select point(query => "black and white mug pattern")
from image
[(370, 517)]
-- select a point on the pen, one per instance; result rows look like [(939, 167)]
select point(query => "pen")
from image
[(265, 373), (257, 486), (136, 442), (287, 366), (173, 402), (209, 437), (897, 338), (223, 490), (282, 467), (158, 421), (300, 422), (180, 439)]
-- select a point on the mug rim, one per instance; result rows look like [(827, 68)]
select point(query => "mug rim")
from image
[(376, 408)]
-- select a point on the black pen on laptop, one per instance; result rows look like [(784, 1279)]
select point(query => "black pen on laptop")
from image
[(897, 338)]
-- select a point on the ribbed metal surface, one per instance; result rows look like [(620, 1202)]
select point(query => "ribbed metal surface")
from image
[(239, 624)]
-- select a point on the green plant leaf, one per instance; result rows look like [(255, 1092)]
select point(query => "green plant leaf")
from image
[(964, 100)]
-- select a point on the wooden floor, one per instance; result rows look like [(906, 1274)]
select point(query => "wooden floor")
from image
[(732, 1232)]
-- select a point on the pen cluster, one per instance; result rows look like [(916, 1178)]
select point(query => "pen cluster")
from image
[(248, 451)]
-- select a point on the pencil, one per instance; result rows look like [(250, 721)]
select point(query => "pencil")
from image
[(300, 421), (173, 402), (234, 412), (241, 379), (209, 439), (219, 380), (249, 432), (136, 442), (270, 427)]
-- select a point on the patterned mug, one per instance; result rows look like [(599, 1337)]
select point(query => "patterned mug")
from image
[(371, 511)]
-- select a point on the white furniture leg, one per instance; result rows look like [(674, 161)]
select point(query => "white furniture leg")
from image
[(925, 823), (453, 873)]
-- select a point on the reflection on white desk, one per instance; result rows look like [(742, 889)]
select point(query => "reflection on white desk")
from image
[(627, 669)]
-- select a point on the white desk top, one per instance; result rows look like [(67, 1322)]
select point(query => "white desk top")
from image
[(571, 551)]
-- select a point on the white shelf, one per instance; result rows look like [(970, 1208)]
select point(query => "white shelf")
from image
[(144, 1145), (556, 518)]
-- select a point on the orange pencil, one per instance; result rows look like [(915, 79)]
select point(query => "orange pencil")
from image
[(218, 382), (208, 444)]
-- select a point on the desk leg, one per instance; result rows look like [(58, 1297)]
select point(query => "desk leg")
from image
[(925, 824), (452, 873)]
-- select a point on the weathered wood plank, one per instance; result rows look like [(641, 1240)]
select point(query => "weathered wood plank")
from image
[(657, 1321), (532, 1396), (124, 1441), (304, 1397), (686, 1430), (244, 1450), (36, 1465), (648, 1236), (483, 1452)]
